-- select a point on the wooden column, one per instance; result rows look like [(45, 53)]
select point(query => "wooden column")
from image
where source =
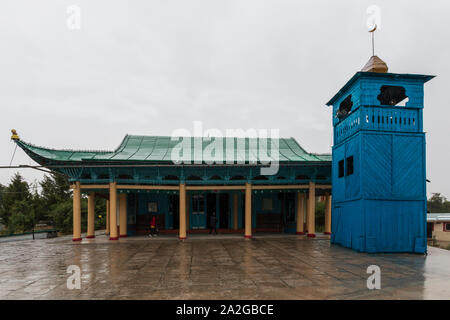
[(235, 210), (123, 215), (107, 217), (300, 213), (76, 212), (113, 211), (248, 210), (312, 210), (91, 216), (182, 234), (328, 214)]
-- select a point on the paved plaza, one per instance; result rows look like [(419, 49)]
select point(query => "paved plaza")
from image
[(215, 267)]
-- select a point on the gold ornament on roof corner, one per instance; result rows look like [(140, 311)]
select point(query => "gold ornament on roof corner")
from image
[(14, 135)]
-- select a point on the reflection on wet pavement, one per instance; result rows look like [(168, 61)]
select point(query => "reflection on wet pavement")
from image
[(283, 267)]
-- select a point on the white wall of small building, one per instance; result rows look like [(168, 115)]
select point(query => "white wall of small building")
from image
[(439, 233)]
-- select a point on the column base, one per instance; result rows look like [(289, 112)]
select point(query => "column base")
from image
[(123, 236), (328, 233), (90, 237), (311, 235), (247, 237), (299, 233), (182, 238), (113, 238), (76, 239)]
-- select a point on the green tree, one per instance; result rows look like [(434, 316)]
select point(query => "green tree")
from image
[(61, 215), (2, 192), (55, 188), (438, 204), (320, 216), (14, 196), (56, 201), (22, 216)]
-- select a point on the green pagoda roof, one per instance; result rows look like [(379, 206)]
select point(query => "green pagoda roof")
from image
[(158, 149)]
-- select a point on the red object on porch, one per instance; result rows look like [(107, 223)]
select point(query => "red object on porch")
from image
[(153, 223)]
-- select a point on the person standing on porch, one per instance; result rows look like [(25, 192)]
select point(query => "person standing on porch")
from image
[(212, 223), (153, 226)]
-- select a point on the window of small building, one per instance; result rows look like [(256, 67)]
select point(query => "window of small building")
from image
[(341, 168), (447, 227), (350, 165), (267, 204)]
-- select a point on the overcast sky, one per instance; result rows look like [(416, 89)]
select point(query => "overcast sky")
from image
[(150, 67)]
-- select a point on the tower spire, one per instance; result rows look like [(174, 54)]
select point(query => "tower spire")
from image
[(375, 64), (373, 39)]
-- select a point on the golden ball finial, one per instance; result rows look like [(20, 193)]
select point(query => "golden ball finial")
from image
[(14, 135)]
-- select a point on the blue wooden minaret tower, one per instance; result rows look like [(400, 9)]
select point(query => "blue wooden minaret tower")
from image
[(378, 170)]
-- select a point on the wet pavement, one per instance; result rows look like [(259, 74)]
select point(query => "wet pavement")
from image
[(215, 267)]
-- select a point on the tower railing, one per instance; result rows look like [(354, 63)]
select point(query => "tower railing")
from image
[(380, 118)]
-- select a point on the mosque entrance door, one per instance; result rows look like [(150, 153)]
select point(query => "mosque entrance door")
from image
[(198, 212)]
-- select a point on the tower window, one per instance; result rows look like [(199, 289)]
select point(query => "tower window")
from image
[(345, 107), (392, 95), (341, 168), (349, 165)]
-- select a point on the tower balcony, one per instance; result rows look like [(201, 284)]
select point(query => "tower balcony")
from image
[(379, 118)]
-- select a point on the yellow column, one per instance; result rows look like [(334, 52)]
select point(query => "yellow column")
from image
[(107, 217), (306, 215), (300, 213), (235, 210), (187, 212), (328, 214), (312, 210), (248, 210), (182, 231), (123, 215), (113, 211), (76, 212), (91, 216)]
